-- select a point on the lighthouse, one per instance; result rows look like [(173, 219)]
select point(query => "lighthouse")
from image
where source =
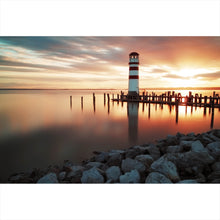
[(133, 86)]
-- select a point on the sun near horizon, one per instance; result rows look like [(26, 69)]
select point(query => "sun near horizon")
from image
[(102, 62)]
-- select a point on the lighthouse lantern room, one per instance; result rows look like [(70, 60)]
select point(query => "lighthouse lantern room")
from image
[(133, 86)]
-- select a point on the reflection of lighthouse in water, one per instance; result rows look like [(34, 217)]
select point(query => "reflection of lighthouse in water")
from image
[(132, 111)]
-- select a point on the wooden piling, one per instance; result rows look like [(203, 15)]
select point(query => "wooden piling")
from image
[(71, 102), (82, 102)]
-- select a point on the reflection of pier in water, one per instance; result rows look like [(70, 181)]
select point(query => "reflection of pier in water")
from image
[(173, 99), (132, 112), (132, 108)]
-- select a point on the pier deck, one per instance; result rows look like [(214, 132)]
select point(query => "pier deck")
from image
[(172, 99)]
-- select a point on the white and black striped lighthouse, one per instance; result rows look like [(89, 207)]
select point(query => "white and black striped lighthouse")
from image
[(133, 85)]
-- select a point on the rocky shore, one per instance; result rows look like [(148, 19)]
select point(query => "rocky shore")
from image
[(191, 158)]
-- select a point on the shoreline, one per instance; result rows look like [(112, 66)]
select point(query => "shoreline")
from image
[(180, 158)]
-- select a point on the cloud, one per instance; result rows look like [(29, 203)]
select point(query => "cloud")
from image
[(100, 56), (210, 76), (174, 76)]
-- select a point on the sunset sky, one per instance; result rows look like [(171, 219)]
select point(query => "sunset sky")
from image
[(102, 62)]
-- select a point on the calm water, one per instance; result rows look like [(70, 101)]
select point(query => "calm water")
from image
[(39, 127)]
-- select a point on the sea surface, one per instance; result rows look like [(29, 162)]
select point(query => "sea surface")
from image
[(39, 128)]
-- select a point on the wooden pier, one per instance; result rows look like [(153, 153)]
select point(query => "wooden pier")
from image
[(172, 98)]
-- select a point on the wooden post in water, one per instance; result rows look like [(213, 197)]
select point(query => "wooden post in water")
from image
[(82, 103), (94, 102), (104, 98), (205, 100), (177, 112), (71, 102), (112, 96)]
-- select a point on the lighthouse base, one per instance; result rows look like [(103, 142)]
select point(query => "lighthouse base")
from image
[(133, 95)]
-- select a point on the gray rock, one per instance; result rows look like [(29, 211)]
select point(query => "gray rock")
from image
[(140, 149), (131, 164), (94, 164), (171, 140), (77, 168), (216, 166), (146, 159), (217, 133), (188, 181), (190, 159), (205, 139), (214, 176), (156, 177), (186, 145), (67, 165), (117, 151), (213, 137), (174, 149), (153, 151), (198, 147), (165, 167), (49, 178), (114, 160), (113, 173), (102, 157), (20, 178), (186, 138), (109, 181), (214, 149), (192, 134), (62, 175), (92, 176), (75, 174), (130, 177), (132, 153)]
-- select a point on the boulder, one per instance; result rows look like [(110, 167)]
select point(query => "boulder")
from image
[(132, 153), (192, 134), (216, 166), (197, 146), (140, 149), (156, 177), (94, 164), (62, 175), (188, 181), (171, 140), (130, 177), (214, 149), (114, 160), (146, 159), (162, 146), (174, 149), (113, 173), (213, 137), (204, 138), (75, 174), (67, 165), (102, 157), (186, 138), (20, 178), (186, 145), (49, 178), (165, 167), (216, 132), (130, 164), (153, 151), (92, 176), (117, 151), (215, 175)]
